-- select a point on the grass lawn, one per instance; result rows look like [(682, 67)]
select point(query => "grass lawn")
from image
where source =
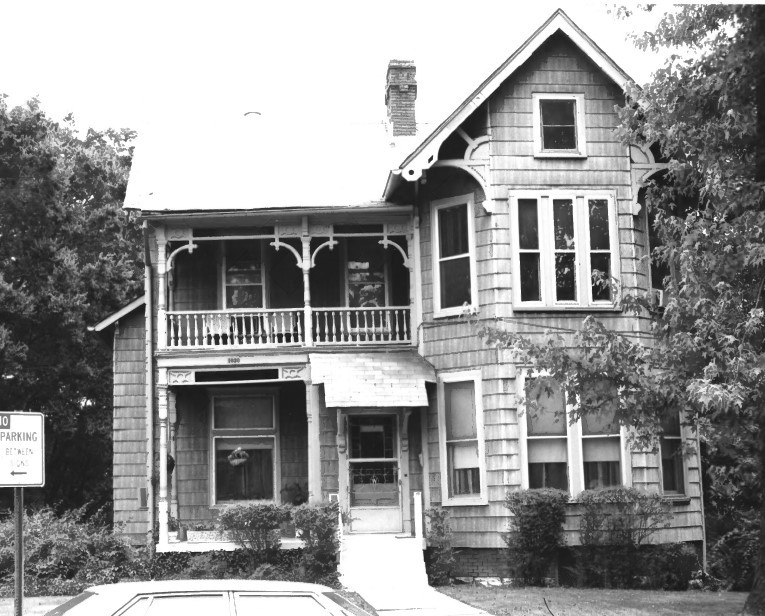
[(505, 601)]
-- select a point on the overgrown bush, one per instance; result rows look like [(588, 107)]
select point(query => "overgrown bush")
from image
[(536, 532), (440, 555), (63, 554), (255, 527), (733, 557), (318, 527), (615, 523)]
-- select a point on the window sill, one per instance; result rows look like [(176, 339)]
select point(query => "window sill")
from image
[(455, 312), (572, 308), (678, 500), (564, 154), (470, 501)]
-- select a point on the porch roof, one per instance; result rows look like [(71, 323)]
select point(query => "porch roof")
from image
[(372, 379)]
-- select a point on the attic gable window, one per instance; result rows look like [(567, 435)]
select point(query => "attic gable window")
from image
[(559, 126)]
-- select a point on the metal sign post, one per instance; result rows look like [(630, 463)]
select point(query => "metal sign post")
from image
[(22, 464)]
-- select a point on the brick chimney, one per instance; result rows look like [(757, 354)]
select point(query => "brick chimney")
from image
[(400, 94)]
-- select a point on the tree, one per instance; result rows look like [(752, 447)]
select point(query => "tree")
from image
[(69, 255), (706, 354)]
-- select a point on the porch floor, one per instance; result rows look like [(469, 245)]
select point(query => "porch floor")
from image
[(389, 572)]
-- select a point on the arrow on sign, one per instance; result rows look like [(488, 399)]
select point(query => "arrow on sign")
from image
[(18, 472)]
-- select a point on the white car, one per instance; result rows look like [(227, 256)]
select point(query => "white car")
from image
[(208, 598)]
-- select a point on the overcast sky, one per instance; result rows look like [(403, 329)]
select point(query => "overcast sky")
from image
[(123, 64)]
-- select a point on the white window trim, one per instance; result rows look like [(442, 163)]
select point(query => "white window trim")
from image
[(262, 434), (547, 248), (573, 444), (581, 139), (684, 438), (222, 288), (438, 311), (459, 377)]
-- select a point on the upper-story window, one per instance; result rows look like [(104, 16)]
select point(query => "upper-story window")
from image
[(366, 273), (454, 286), (671, 446), (559, 125), (243, 274), (564, 250)]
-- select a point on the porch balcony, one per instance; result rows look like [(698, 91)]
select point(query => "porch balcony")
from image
[(260, 328)]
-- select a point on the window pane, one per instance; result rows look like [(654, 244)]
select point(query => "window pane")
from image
[(599, 416), (455, 282), (189, 605), (374, 484), (558, 112), (243, 412), (670, 424), (453, 231), (372, 437), (559, 138), (672, 465), (528, 224), (530, 289), (599, 234), (285, 605), (243, 262), (465, 481), (459, 402), (601, 276), (545, 409), (244, 469), (565, 277), (244, 296), (464, 468), (601, 475), (600, 450), (547, 450), (563, 219), (365, 273), (548, 475)]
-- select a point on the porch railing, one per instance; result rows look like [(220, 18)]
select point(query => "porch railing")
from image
[(287, 327)]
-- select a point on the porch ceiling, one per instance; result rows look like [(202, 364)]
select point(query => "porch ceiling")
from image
[(372, 379)]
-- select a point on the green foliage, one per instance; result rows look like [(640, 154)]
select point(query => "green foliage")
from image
[(536, 531), (255, 527), (615, 523), (63, 554), (318, 528), (733, 557), (440, 555), (69, 255)]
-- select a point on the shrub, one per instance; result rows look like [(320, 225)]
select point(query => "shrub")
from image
[(255, 527), (318, 527), (733, 557), (440, 556), (536, 531), (615, 523), (63, 554)]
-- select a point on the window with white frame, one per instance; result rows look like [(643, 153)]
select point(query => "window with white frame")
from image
[(671, 446), (565, 250), (556, 453), (454, 279), (460, 410), (559, 130), (244, 448)]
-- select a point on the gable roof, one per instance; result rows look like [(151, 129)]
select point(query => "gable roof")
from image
[(122, 312), (426, 153)]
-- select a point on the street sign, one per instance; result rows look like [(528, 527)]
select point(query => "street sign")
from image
[(22, 450)]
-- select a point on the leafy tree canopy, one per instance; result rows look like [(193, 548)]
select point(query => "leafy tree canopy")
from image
[(705, 352), (69, 255)]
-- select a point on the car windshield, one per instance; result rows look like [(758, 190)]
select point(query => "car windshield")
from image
[(67, 606), (348, 607)]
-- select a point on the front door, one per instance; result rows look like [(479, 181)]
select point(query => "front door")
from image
[(373, 474)]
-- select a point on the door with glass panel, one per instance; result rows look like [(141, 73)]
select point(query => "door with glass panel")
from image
[(373, 473)]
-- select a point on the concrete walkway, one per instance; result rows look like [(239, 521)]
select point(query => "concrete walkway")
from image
[(389, 572)]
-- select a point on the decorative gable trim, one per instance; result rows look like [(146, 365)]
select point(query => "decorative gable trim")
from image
[(426, 155)]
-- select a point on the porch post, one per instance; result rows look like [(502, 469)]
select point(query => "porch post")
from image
[(163, 504), (314, 445), (159, 233), (172, 420), (306, 265)]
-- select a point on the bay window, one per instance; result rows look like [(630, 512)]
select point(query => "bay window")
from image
[(463, 471), (564, 250), (454, 286)]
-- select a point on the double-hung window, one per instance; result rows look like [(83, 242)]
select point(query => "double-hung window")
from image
[(569, 455), (454, 278), (564, 250), (671, 446), (244, 447), (558, 121), (460, 420), (243, 275)]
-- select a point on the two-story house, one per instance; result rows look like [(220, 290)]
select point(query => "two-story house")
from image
[(294, 343)]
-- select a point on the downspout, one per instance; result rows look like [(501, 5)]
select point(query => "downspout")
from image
[(149, 318)]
